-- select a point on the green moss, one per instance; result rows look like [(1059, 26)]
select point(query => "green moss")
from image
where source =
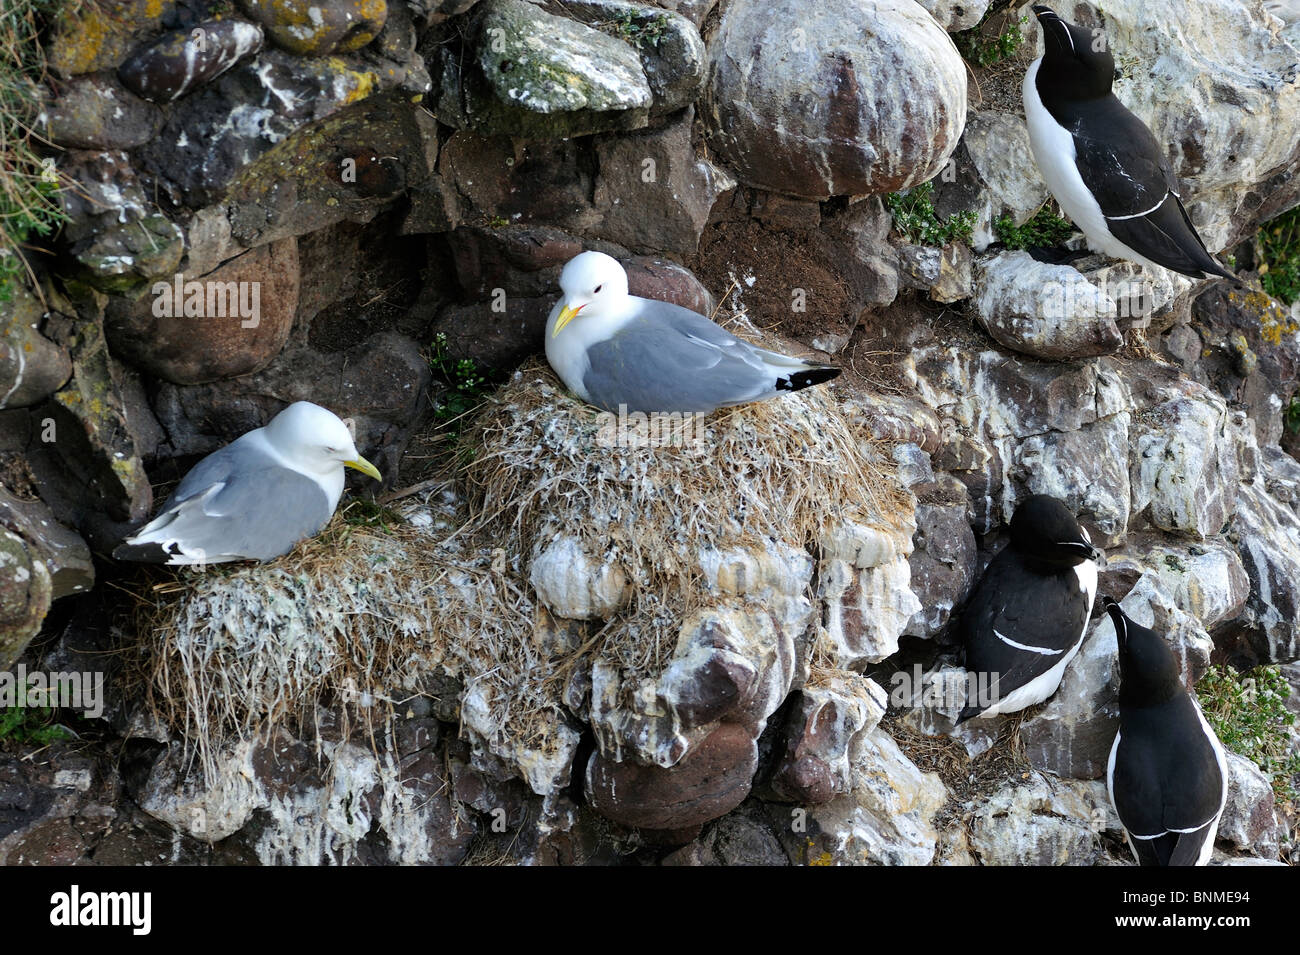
[(1046, 230), (1279, 248), (31, 726), (915, 218), (979, 49), (29, 186), (1248, 712)]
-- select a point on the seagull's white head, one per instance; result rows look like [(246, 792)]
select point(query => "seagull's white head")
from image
[(316, 440), (594, 284)]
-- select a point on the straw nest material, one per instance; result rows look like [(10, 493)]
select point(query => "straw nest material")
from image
[(369, 612)]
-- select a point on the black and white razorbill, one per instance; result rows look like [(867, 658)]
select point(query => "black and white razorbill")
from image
[(1100, 161), (1026, 618), (1167, 775)]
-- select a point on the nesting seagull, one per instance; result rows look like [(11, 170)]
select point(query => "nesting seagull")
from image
[(1100, 161), (611, 348), (1027, 616), (1167, 775), (257, 497)]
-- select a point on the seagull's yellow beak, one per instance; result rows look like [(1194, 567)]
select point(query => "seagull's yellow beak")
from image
[(365, 467), (566, 316)]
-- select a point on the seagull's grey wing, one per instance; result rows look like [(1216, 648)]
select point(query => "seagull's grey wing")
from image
[(253, 512), (657, 364)]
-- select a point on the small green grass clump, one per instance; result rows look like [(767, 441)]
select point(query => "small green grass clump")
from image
[(980, 50), (638, 31), (1291, 417), (1279, 246), (1248, 712), (1046, 230), (31, 726), (363, 513), (29, 185), (914, 217), (468, 383)]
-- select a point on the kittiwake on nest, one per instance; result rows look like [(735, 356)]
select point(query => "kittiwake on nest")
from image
[(257, 497), (613, 349)]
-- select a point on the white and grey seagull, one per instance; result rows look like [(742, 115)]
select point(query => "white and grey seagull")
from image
[(257, 497), (613, 349)]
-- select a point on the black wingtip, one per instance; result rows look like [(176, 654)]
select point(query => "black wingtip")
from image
[(1042, 10), (799, 380), (1220, 272), (141, 553), (968, 713)]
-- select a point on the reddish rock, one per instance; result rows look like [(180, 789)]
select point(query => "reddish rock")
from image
[(245, 309), (667, 281), (711, 780), (182, 60)]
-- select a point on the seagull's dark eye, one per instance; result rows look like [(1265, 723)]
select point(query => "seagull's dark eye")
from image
[(597, 289), (332, 450)]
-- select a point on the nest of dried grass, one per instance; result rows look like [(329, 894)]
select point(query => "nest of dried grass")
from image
[(787, 469), (368, 612)]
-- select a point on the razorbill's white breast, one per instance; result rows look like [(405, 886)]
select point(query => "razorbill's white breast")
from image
[(1100, 161)]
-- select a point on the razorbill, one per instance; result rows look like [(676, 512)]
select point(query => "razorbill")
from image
[(1167, 775), (1026, 618), (1100, 161)]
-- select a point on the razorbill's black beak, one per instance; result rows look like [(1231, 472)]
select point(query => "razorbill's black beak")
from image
[(1086, 551), (1112, 607)]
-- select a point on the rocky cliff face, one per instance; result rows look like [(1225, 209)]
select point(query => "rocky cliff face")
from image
[(569, 653)]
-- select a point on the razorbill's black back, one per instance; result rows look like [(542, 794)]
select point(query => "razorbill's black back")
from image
[(1167, 775), (1101, 162), (1026, 617)]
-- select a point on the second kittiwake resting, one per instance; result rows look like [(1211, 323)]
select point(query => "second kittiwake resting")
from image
[(257, 497), (1100, 161), (613, 349)]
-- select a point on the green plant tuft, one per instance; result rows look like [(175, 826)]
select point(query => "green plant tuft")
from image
[(29, 184), (1248, 712), (638, 30), (980, 50), (363, 513), (915, 218), (1279, 247), (31, 726), (1046, 230), (1291, 417), (467, 383)]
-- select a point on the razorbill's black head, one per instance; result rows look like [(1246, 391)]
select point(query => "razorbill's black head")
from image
[(1148, 669), (1076, 61), (1044, 528), (1167, 774), (1101, 162), (1026, 618)]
